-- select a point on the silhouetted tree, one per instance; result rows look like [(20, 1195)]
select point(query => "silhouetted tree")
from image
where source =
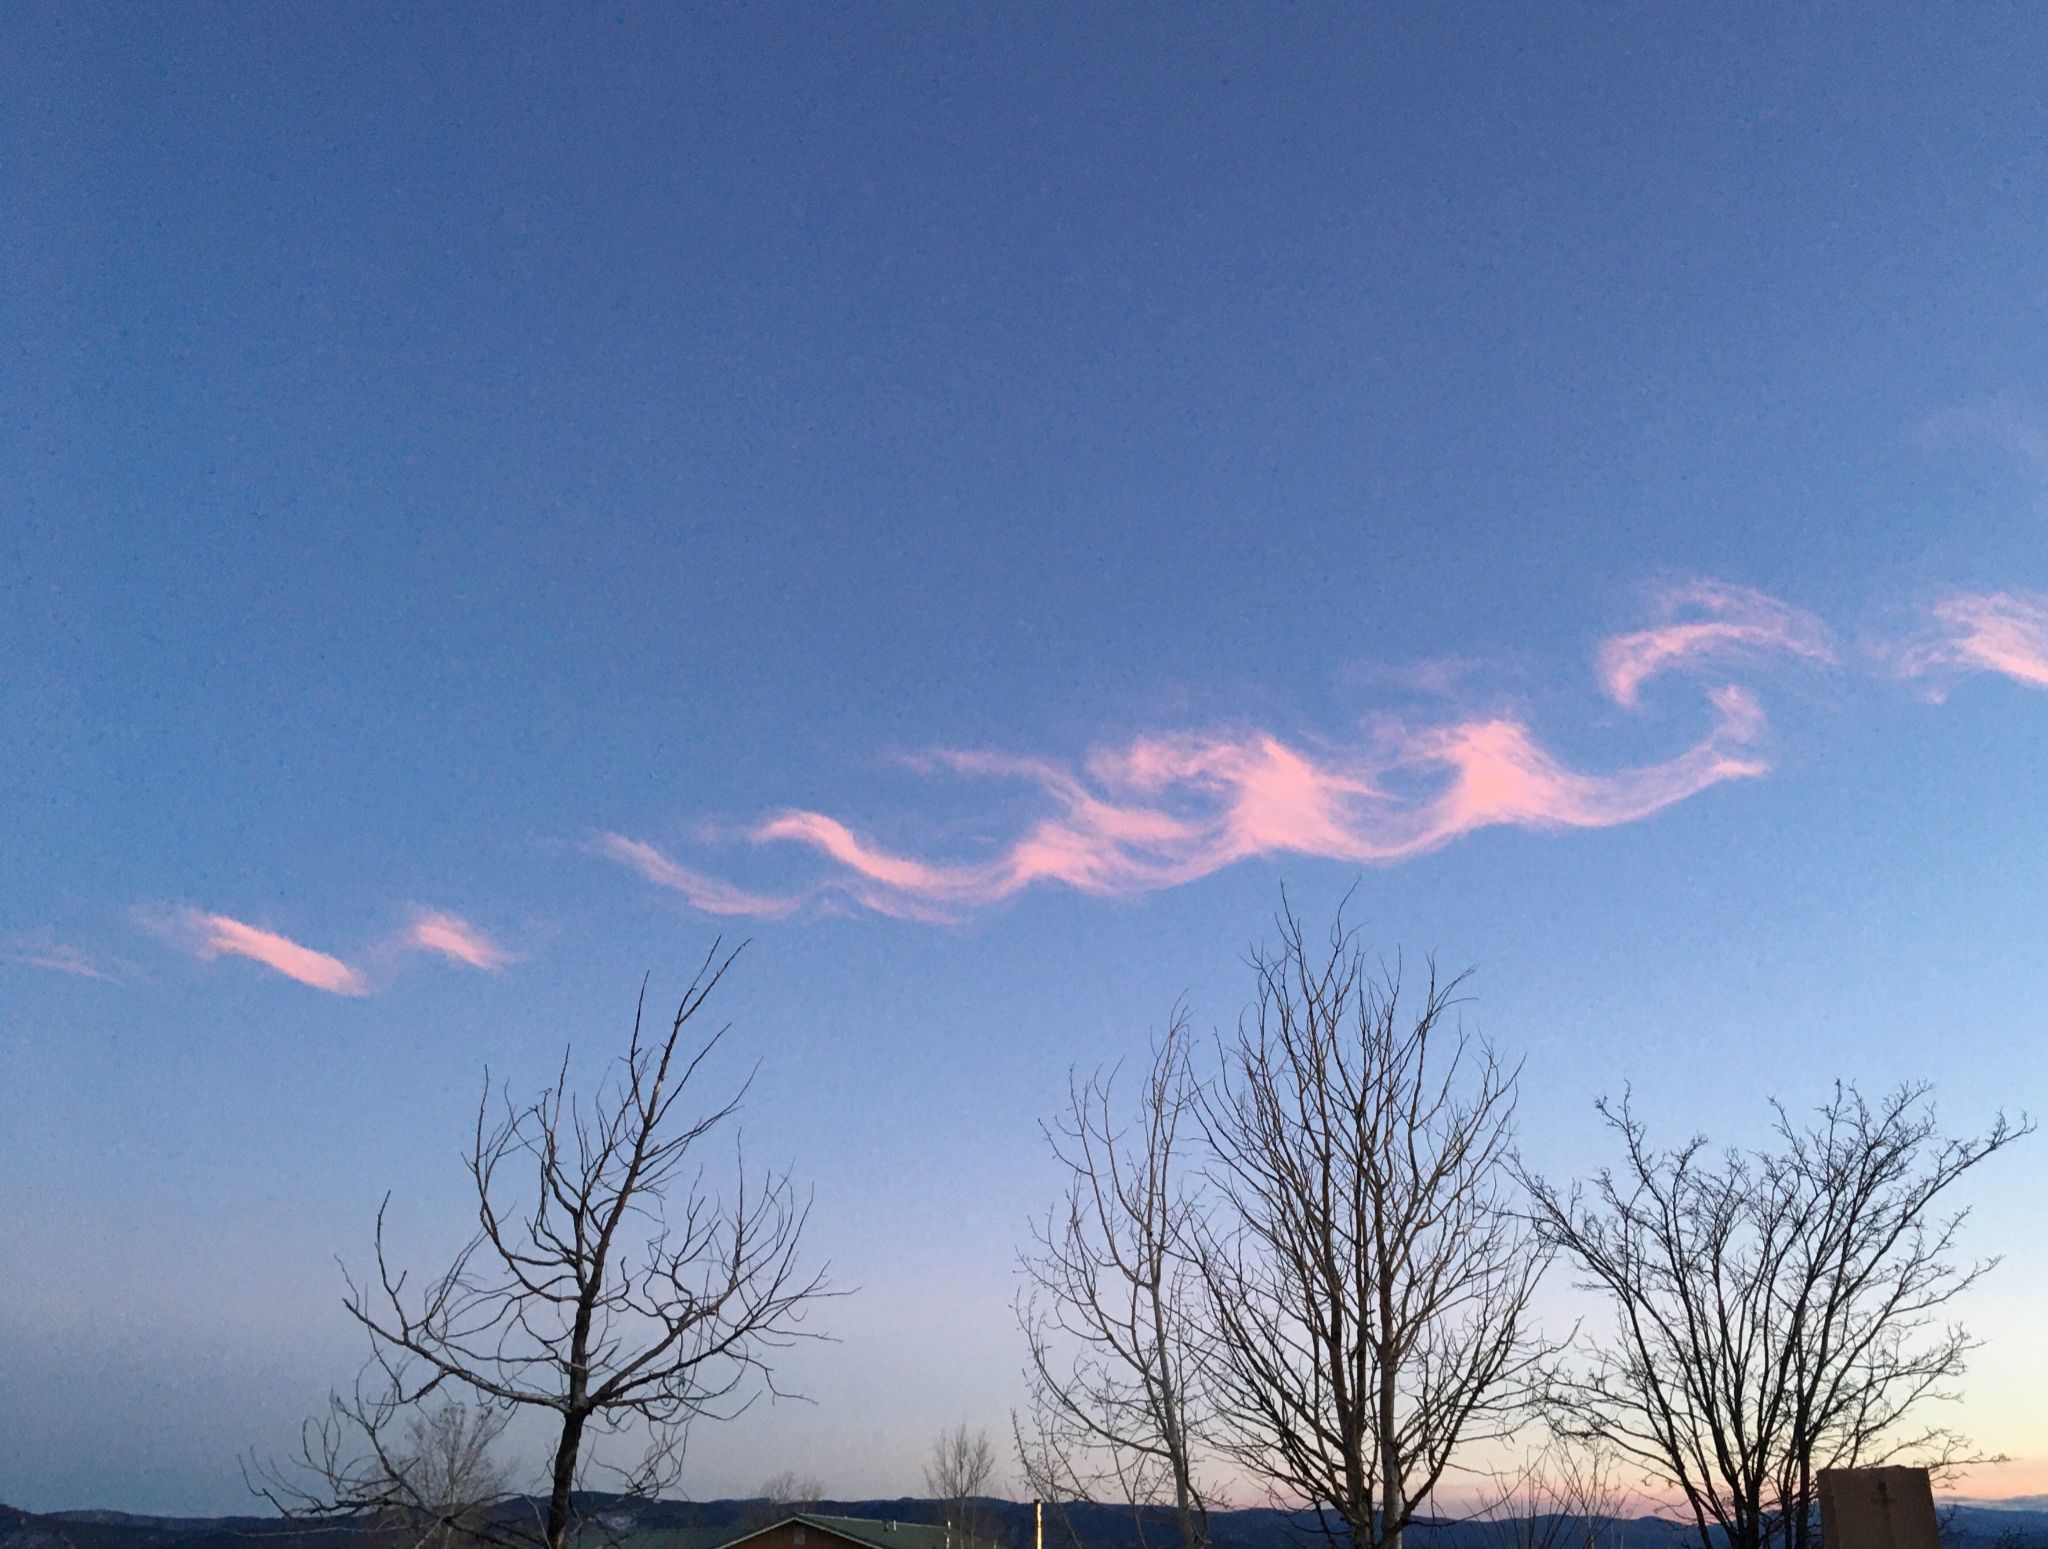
[(1367, 1276), (449, 1467), (1777, 1311), (602, 1288), (424, 1475), (783, 1495), (1109, 1312), (1564, 1496), (959, 1473)]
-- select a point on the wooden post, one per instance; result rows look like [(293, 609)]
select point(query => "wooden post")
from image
[(1877, 1508)]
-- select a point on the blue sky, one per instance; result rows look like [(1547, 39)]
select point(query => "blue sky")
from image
[(975, 501)]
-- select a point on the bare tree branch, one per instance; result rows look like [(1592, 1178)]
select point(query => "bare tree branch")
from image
[(603, 1286), (1367, 1283), (1109, 1306), (783, 1495), (1777, 1311), (1567, 1495), (959, 1474)]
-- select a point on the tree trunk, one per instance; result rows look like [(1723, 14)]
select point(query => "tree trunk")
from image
[(1393, 1488), (564, 1481), (1190, 1534), (1393, 1500), (1173, 1423)]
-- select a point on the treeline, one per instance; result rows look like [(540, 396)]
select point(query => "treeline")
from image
[(685, 1524), (1300, 1258), (1306, 1255)]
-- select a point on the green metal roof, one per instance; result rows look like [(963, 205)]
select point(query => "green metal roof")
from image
[(876, 1533)]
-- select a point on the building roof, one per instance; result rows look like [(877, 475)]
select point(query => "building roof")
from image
[(892, 1535), (876, 1533)]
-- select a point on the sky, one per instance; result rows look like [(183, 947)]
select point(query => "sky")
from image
[(974, 501)]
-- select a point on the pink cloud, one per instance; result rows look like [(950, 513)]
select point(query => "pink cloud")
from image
[(1160, 811), (2002, 632), (217, 934), (60, 958), (702, 892), (1708, 621), (453, 937)]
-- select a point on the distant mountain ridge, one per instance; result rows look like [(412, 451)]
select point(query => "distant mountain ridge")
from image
[(2019, 1523)]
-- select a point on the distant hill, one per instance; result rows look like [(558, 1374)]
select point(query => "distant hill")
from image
[(2021, 1523)]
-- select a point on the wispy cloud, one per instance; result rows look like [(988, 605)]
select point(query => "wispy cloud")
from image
[(59, 957), (216, 934), (1159, 810), (2002, 632), (433, 930), (702, 892), (1708, 622)]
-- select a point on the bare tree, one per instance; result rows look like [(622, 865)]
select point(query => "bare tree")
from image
[(1367, 1283), (783, 1495), (1108, 1312), (1567, 1495), (424, 1476), (1047, 1462), (959, 1474), (447, 1478), (602, 1288), (1777, 1311)]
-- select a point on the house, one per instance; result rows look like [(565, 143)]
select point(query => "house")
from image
[(809, 1530)]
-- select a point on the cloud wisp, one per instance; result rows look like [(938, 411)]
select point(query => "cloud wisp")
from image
[(59, 957), (208, 936), (1998, 632), (1708, 621), (1160, 810), (702, 892), (435, 930), (218, 934)]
